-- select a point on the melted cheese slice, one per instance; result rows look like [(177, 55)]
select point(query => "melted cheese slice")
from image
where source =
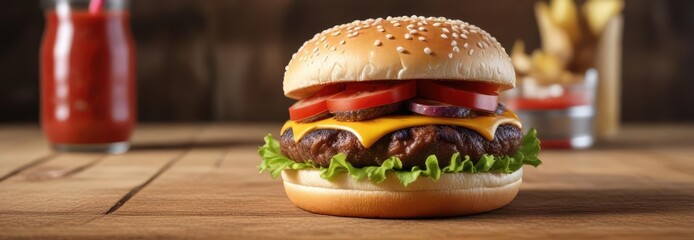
[(368, 132)]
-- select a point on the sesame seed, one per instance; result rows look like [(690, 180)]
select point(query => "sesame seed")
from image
[(445, 30), (473, 31), (413, 31), (315, 49), (400, 49), (437, 24), (480, 45), (377, 43), (333, 48), (357, 28), (471, 52), (455, 35), (342, 42), (410, 27), (397, 24), (466, 45), (465, 32), (444, 35), (423, 29), (322, 38), (389, 36), (456, 49), (354, 34), (420, 23), (427, 50), (454, 43), (421, 38), (336, 34), (463, 36), (450, 55), (408, 36)]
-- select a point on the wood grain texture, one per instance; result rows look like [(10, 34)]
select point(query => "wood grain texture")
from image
[(638, 186), (21, 147), (86, 185)]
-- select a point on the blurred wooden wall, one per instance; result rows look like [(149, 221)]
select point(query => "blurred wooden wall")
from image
[(224, 59)]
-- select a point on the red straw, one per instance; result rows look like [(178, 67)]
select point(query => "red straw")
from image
[(95, 6)]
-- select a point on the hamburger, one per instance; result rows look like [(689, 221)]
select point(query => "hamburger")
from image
[(400, 118)]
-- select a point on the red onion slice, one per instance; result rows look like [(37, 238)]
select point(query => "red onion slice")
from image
[(438, 109)]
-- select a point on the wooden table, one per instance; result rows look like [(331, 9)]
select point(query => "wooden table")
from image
[(200, 181)]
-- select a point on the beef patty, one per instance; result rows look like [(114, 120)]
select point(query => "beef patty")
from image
[(412, 145)]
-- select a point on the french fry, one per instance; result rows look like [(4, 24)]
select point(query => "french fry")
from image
[(555, 41), (567, 77), (565, 15), (574, 41), (545, 67), (599, 12), (520, 59)]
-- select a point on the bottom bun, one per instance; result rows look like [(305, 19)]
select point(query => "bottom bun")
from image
[(453, 194)]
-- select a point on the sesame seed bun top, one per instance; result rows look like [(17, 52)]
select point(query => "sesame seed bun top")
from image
[(400, 48)]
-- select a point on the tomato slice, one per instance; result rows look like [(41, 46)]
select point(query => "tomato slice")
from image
[(456, 96), (367, 95), (478, 87), (314, 105)]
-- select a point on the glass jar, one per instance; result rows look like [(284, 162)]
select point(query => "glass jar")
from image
[(87, 76), (562, 121)]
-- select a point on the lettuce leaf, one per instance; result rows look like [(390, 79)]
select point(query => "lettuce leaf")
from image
[(274, 162)]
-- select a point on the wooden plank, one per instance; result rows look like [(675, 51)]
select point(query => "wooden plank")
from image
[(86, 186), (196, 186), (214, 191), (579, 194), (208, 175), (651, 136), (12, 134), (597, 169), (21, 147), (93, 190), (325, 227)]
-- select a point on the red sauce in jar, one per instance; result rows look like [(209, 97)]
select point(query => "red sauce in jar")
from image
[(87, 77), (564, 101)]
